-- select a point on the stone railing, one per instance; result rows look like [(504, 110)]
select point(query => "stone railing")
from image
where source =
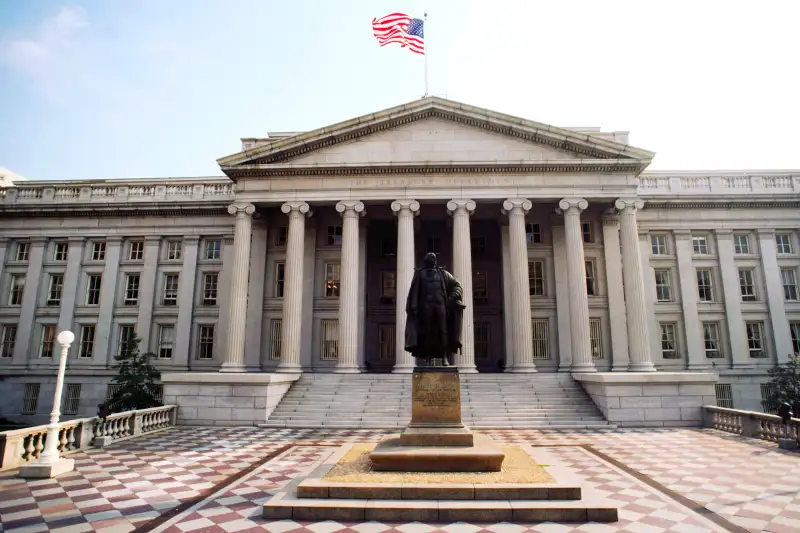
[(750, 424), (20, 446), (726, 185)]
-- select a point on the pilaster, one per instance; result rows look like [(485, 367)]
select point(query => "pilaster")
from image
[(740, 356), (293, 287), (616, 297), (27, 315), (777, 309), (71, 281), (103, 351), (237, 305), (695, 346), (405, 210), (254, 350), (347, 362), (461, 210), (186, 285), (147, 288)]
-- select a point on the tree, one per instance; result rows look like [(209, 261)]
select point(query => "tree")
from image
[(784, 386), (136, 379)]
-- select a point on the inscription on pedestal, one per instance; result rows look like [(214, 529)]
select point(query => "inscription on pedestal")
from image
[(436, 399)]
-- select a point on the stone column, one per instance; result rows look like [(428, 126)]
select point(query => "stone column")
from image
[(405, 210), (27, 315), (347, 362), (562, 295), (237, 303), (777, 309), (255, 351), (461, 210), (740, 355), (147, 289), (71, 281), (638, 334), (293, 287), (522, 335), (508, 305), (695, 348), (616, 296), (186, 285), (3, 251), (104, 352), (576, 279)]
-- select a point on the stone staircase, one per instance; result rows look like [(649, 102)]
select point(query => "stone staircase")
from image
[(518, 401)]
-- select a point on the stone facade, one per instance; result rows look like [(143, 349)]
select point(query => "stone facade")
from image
[(600, 265)]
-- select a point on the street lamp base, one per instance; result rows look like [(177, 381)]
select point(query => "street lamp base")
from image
[(39, 469)]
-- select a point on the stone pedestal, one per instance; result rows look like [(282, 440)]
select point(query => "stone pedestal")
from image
[(46, 469)]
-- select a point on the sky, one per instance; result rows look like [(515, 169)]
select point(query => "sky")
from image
[(97, 89)]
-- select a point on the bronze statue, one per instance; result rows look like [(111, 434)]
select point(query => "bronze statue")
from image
[(433, 314)]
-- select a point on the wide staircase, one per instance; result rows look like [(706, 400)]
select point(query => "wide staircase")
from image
[(518, 401)]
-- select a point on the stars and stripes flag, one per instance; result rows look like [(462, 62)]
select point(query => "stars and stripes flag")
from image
[(400, 28)]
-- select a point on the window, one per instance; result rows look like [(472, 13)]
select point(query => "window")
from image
[(591, 286), (586, 229), (48, 341), (789, 280), (280, 279), (794, 327), (389, 246), (541, 335), (533, 233), (17, 288), (173, 250), (166, 336), (275, 332), (126, 334), (700, 245), (98, 251), (704, 292), (767, 392), (136, 250), (332, 272), (283, 235), (23, 250), (388, 287), (93, 289), (658, 244), (783, 241), (386, 342), (330, 340), (213, 249), (60, 251), (480, 287), (482, 342), (55, 289), (724, 395), (112, 389), (8, 335), (669, 347), (595, 338), (747, 285), (536, 278), (72, 399), (741, 244), (433, 245), (334, 235), (31, 398), (86, 346), (206, 343), (663, 286), (755, 339), (131, 289), (478, 246), (210, 282), (711, 340), (170, 289)]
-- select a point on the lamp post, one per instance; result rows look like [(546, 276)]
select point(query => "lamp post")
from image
[(49, 464)]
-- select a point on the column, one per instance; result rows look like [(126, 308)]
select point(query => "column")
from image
[(237, 303), (562, 295), (508, 306), (3, 251), (777, 310), (740, 355), (522, 335), (255, 352), (103, 351), (147, 288), (405, 210), (638, 334), (293, 287), (616, 296), (645, 249), (576, 281), (27, 315), (186, 285), (461, 210), (347, 363), (695, 348)]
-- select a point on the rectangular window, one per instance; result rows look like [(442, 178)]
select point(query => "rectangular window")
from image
[(386, 342), (111, 390), (794, 327), (60, 251), (166, 336), (767, 392), (30, 400), (658, 244), (275, 332), (700, 245), (433, 245), (541, 336), (283, 235), (586, 230), (280, 279), (8, 336), (131, 289), (389, 247), (388, 286), (711, 340), (213, 249), (663, 285), (23, 250), (481, 342), (741, 244), (93, 289), (783, 241), (173, 250), (669, 347), (755, 339), (747, 285), (170, 289), (334, 236), (73, 398), (533, 233), (789, 280), (480, 287), (724, 395), (330, 340), (704, 289), (48, 341), (595, 338), (332, 278), (17, 288), (591, 284), (136, 250), (86, 346), (98, 251), (478, 246), (206, 342), (210, 282), (55, 289), (536, 278), (126, 334)]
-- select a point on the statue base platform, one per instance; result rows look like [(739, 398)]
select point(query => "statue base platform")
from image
[(436, 436), (393, 456)]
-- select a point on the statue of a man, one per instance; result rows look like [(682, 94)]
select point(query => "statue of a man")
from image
[(433, 313)]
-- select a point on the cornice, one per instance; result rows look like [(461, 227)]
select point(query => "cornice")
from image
[(725, 204), (56, 210)]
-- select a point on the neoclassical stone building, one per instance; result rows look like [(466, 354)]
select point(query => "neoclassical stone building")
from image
[(573, 259)]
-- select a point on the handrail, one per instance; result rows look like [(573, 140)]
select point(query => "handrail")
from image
[(751, 424)]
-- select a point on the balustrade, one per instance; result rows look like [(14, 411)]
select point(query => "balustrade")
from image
[(751, 424)]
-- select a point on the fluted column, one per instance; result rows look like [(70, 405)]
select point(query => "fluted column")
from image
[(576, 281), (405, 211), (461, 210), (347, 361), (521, 334), (293, 287), (237, 303), (633, 282)]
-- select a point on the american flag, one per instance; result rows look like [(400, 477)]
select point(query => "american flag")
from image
[(400, 28)]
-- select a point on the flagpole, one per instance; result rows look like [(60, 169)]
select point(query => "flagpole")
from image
[(424, 31)]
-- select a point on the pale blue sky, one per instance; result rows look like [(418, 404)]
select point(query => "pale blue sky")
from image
[(144, 88)]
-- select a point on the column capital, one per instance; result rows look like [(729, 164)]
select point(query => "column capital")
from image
[(514, 204), (629, 205), (351, 207), (461, 206), (296, 207), (573, 205), (241, 209), (411, 205)]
